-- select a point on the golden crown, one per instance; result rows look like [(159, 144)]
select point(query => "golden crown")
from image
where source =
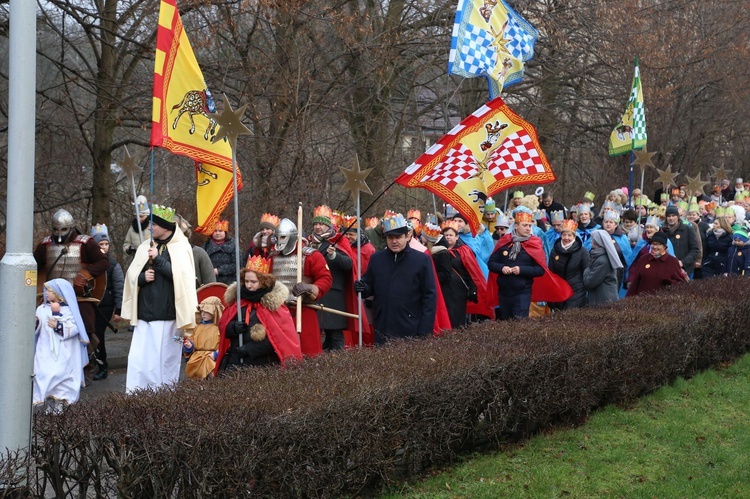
[(322, 214), (351, 222), (451, 224), (372, 222), (270, 219), (570, 225), (523, 216), (414, 214), (258, 264), (222, 225)]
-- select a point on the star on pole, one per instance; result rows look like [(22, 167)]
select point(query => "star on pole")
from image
[(720, 173), (230, 124), (355, 179), (695, 184), (643, 159), (128, 168), (666, 177)]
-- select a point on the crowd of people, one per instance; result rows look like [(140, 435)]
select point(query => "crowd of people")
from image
[(299, 293)]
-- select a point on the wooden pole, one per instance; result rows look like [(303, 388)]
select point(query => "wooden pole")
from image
[(299, 267)]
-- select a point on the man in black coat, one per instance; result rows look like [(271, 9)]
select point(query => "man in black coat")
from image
[(401, 281)]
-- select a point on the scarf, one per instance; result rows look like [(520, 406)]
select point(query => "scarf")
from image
[(567, 246), (316, 239), (719, 232), (253, 296), (516, 249)]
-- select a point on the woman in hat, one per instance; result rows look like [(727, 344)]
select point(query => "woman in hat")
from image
[(716, 249), (600, 278), (60, 352), (221, 250), (656, 270), (586, 225), (265, 333), (265, 239), (569, 259)]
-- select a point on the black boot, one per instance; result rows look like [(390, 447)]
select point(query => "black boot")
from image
[(101, 374)]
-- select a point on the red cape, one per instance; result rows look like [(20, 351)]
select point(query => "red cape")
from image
[(442, 319), (469, 260), (548, 287), (280, 330)]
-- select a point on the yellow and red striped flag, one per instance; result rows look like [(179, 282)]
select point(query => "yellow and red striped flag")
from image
[(182, 104), (491, 150)]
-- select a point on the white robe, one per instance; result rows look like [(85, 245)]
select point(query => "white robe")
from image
[(58, 360)]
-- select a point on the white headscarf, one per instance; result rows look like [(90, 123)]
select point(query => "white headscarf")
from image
[(604, 240), (63, 288)]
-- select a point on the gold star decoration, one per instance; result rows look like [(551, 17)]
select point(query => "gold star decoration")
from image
[(128, 168), (720, 173), (666, 177), (643, 159), (355, 179), (230, 124), (695, 184)]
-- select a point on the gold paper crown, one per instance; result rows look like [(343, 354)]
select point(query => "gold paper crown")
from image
[(222, 225), (389, 214), (99, 229), (258, 264), (523, 216), (451, 224), (431, 232), (570, 225), (395, 222), (518, 194), (336, 218), (373, 222), (164, 212), (589, 195), (269, 219), (721, 211), (322, 215), (351, 222), (414, 214)]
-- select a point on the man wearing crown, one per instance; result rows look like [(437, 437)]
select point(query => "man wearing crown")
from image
[(519, 273), (338, 255), (159, 299)]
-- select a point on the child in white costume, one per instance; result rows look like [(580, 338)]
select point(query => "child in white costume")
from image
[(61, 341)]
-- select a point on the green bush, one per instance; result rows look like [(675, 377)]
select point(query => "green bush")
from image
[(345, 424)]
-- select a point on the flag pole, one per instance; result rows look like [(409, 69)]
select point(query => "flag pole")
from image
[(298, 311), (359, 269), (630, 181)]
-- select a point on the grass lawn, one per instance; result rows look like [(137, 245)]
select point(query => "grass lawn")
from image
[(690, 439)]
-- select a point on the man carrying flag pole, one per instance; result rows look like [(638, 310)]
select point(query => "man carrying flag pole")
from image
[(630, 132)]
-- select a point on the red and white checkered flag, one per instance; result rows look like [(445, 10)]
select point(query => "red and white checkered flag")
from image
[(489, 151)]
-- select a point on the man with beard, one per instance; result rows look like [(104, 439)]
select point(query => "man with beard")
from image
[(77, 258)]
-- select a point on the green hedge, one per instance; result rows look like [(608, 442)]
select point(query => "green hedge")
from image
[(346, 424)]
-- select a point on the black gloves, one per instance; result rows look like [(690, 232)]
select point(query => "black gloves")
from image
[(130, 250), (301, 288), (473, 296), (241, 328), (360, 286)]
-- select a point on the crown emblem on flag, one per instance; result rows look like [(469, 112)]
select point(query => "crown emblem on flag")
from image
[(164, 212), (269, 219), (258, 264)]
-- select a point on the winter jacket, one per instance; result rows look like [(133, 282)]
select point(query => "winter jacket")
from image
[(600, 279), (570, 264), (223, 259)]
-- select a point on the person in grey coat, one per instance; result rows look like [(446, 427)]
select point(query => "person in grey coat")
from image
[(204, 269), (600, 278)]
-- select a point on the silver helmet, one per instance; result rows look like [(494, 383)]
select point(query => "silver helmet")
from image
[(62, 225), (287, 236)]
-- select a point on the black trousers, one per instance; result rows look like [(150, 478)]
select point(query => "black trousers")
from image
[(100, 329)]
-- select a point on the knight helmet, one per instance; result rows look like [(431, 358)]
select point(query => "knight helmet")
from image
[(62, 225), (287, 236)]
